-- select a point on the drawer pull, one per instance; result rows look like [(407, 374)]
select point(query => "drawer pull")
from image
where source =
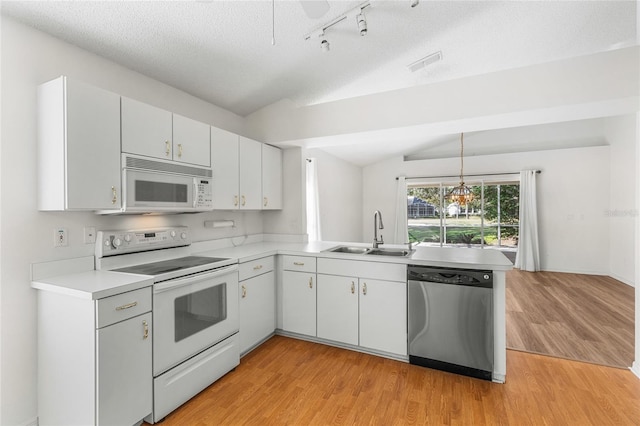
[(257, 267), (145, 326), (127, 306), (298, 263)]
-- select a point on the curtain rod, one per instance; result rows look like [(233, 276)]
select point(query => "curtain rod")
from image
[(452, 176)]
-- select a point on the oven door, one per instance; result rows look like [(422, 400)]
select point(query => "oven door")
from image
[(193, 313)]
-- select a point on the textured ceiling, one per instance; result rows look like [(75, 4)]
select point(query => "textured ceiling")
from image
[(221, 51)]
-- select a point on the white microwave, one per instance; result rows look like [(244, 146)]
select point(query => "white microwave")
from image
[(150, 186)]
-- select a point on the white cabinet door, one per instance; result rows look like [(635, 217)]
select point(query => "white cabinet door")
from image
[(146, 130), (271, 177), (124, 377), (299, 302), (338, 308), (383, 315), (191, 141), (78, 147), (257, 310), (250, 174), (226, 174)]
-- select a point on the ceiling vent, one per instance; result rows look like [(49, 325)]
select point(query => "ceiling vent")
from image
[(425, 62)]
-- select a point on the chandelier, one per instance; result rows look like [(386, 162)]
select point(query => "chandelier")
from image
[(461, 194)]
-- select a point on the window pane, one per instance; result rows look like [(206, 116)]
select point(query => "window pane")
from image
[(509, 204)]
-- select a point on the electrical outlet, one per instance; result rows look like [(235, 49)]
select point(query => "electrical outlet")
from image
[(89, 234), (60, 237)]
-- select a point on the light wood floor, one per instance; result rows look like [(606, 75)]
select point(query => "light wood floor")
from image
[(574, 316), (292, 382)]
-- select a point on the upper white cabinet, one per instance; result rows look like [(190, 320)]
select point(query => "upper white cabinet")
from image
[(247, 175), (78, 147), (191, 141), (250, 174), (224, 164), (154, 132), (271, 177)]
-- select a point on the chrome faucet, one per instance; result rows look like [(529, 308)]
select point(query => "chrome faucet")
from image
[(377, 224)]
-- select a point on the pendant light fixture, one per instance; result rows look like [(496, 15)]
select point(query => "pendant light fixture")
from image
[(461, 194)]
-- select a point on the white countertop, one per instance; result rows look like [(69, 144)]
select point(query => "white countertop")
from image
[(450, 257), (93, 284)]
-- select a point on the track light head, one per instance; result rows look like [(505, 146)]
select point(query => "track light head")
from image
[(362, 23), (414, 3), (324, 45)]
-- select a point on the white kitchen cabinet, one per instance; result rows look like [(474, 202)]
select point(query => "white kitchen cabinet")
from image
[(299, 302), (94, 356), (257, 302), (191, 141), (338, 308), (383, 315), (154, 132), (271, 177), (250, 155), (146, 130), (224, 164), (78, 147), (378, 314)]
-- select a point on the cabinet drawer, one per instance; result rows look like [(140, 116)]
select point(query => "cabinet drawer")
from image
[(299, 263), (255, 267), (122, 306)]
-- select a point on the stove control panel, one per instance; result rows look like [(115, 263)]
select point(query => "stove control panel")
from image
[(109, 243)]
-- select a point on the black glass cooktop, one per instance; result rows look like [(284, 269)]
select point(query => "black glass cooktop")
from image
[(164, 266)]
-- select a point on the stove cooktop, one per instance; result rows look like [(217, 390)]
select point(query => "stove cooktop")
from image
[(171, 265)]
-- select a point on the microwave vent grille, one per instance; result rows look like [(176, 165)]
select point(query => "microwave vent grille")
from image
[(158, 166)]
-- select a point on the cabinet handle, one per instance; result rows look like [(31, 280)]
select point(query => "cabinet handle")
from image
[(244, 200), (298, 263), (235, 200), (266, 201), (353, 287), (127, 306), (145, 327), (244, 292), (310, 282), (167, 148), (364, 289), (114, 195), (257, 267), (179, 150)]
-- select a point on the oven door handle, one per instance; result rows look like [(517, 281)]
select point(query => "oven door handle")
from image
[(181, 282)]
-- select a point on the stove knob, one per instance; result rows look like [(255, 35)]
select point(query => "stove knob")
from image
[(117, 242), (127, 237), (183, 235), (107, 243), (173, 234)]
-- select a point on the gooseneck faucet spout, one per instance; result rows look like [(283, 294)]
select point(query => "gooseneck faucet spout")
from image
[(377, 224)]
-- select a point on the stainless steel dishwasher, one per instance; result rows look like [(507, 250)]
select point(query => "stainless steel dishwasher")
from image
[(451, 320)]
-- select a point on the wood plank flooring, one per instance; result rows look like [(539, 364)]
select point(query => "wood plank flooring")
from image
[(292, 382), (581, 317)]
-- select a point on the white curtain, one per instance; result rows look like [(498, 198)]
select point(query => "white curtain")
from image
[(528, 255), (313, 202), (401, 232)]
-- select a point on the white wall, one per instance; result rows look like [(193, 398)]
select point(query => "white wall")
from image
[(622, 214), (28, 59), (340, 197), (574, 231)]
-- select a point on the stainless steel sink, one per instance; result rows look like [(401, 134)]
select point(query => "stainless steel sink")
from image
[(350, 250), (389, 252)]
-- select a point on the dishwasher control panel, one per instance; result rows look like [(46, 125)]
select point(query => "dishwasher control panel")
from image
[(468, 277)]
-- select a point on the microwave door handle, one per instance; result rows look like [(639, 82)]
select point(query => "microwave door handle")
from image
[(177, 283)]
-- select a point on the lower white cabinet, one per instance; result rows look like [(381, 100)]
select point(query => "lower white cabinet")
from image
[(299, 302), (94, 358), (257, 302), (371, 313)]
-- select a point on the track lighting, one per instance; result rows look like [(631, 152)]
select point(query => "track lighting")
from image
[(324, 45), (362, 23)]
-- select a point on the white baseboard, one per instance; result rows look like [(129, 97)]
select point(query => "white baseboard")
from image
[(623, 280), (635, 368)]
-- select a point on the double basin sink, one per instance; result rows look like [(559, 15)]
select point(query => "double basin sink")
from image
[(399, 252)]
